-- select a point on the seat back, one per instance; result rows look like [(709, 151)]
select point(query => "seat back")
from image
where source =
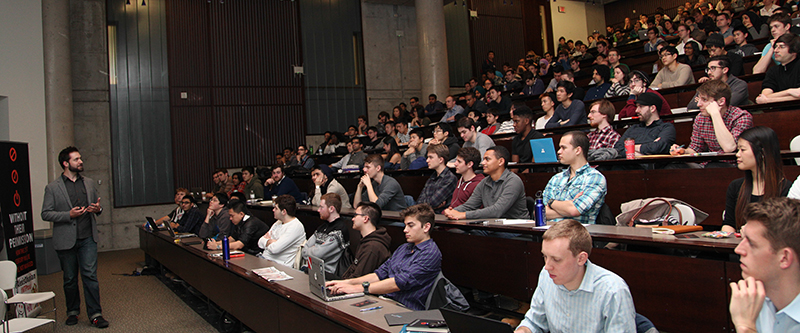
[(8, 275), (531, 204), (794, 145)]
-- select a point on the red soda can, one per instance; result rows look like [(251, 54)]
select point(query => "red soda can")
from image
[(630, 149)]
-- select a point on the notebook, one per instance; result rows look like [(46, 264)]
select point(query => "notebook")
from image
[(543, 150), (316, 282), (459, 322)]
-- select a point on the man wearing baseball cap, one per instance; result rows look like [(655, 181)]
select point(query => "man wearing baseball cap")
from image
[(651, 134)]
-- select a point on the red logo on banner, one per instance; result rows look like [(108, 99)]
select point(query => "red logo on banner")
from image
[(12, 153), (17, 199), (14, 176)]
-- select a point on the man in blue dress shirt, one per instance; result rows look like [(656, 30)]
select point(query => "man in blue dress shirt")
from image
[(767, 300), (573, 294), (408, 276)]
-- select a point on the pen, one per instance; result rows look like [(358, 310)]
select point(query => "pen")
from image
[(372, 308), (476, 222)]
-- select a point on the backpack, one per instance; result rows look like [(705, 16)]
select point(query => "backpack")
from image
[(445, 294), (345, 261)]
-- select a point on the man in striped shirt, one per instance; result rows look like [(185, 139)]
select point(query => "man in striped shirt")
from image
[(573, 294)]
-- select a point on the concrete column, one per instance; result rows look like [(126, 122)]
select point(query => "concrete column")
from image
[(433, 67), (57, 81)]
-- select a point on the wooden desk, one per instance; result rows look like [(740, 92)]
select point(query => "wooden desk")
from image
[(284, 306), (681, 284)]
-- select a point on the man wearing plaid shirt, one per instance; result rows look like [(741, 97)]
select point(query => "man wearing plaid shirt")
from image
[(579, 191), (718, 125), (601, 114), (438, 190)]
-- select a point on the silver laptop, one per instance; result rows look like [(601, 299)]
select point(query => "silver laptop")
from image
[(316, 282), (177, 234)]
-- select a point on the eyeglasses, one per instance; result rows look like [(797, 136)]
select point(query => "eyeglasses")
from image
[(712, 68), (665, 54)]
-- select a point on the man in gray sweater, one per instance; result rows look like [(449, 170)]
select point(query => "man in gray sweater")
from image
[(377, 187), (501, 193), (718, 68)]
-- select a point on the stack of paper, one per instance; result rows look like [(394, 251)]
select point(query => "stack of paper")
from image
[(272, 274)]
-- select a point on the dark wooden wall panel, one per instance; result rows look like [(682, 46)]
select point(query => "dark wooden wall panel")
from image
[(618, 10), (251, 135), (233, 60), (192, 137)]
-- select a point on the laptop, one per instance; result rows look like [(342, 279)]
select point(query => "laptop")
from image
[(178, 234), (459, 322), (316, 282), (152, 223), (543, 151)]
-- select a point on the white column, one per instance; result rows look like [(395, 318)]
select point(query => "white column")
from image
[(433, 66), (57, 81)]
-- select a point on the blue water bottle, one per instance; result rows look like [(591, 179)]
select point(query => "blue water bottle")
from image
[(539, 211), (226, 253)]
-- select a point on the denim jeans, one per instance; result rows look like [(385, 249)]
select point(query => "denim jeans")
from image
[(83, 257)]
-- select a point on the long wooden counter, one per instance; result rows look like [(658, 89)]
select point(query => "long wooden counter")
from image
[(284, 306), (678, 283)]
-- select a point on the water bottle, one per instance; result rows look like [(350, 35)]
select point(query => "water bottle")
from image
[(226, 253), (539, 211)]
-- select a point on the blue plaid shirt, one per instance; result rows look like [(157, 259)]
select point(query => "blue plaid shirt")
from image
[(587, 180), (414, 269), (602, 303)]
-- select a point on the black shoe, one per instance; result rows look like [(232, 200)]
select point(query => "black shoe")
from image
[(72, 320), (99, 322)]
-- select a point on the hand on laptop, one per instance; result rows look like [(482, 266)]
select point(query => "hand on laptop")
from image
[(342, 287)]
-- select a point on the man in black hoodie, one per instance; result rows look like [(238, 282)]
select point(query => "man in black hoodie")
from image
[(374, 247)]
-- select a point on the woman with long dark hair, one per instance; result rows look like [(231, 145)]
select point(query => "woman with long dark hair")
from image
[(759, 156)]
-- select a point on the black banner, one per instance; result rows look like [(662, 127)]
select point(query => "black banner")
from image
[(17, 212)]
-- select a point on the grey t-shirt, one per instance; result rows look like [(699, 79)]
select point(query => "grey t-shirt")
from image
[(390, 194)]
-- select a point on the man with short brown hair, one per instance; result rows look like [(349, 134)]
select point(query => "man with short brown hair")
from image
[(375, 186), (332, 238), (573, 294), (766, 299), (601, 115)]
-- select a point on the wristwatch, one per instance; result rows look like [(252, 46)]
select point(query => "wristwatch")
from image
[(365, 284)]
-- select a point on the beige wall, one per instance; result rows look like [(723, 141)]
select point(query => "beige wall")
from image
[(578, 21), (22, 89)]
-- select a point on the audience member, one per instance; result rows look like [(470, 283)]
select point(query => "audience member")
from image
[(217, 223), (191, 219), (652, 39), (475, 104), (613, 63), (759, 156), (332, 238), (391, 154), (468, 161), (438, 190), (500, 194), (533, 85), (569, 111), (765, 300), (408, 276), (779, 24), (246, 231), (377, 187), (673, 74), (521, 143), (684, 33), (473, 138), (769, 7), (715, 47), (652, 135), (601, 115), (692, 56), (279, 184), (639, 83), (383, 118), (723, 22), (579, 191), (176, 213), (416, 120), (402, 133), (718, 126), (252, 185), (601, 77), (619, 83), (743, 48), (717, 69), (578, 93), (287, 234), (452, 109), (363, 125), (373, 249), (416, 153), (441, 136), (754, 25), (373, 142), (324, 183), (488, 64), (549, 108), (303, 159), (498, 102), (782, 82), (567, 279), (222, 183), (238, 184), (491, 122)]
